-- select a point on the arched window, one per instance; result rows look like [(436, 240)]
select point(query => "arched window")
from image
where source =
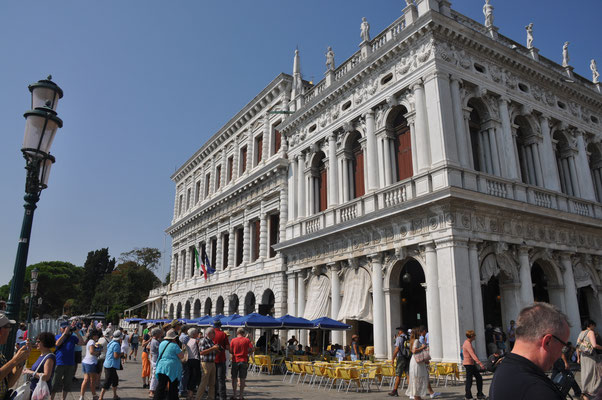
[(527, 145), (171, 311), (249, 303), (357, 168), (196, 313), (595, 166), (179, 311), (319, 183), (474, 125), (565, 160), (219, 306), (267, 303), (187, 310), (208, 306), (403, 146), (233, 304)]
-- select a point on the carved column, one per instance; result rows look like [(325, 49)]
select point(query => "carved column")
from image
[(538, 166), (378, 304), (526, 285), (335, 295), (293, 175), (301, 186), (311, 192), (291, 299), (389, 166), (265, 151), (586, 184), (263, 236), (301, 293), (173, 272), (219, 251), (333, 184), (284, 208), (345, 181), (433, 305), (573, 173), (423, 157), (508, 152), (461, 133), (250, 152), (235, 156), (212, 178), (477, 299), (246, 242), (550, 173), (570, 295), (224, 169), (231, 247), (371, 158)]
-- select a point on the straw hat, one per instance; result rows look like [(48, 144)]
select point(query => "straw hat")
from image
[(171, 334)]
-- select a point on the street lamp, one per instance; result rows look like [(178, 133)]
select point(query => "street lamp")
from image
[(41, 124), (33, 292)]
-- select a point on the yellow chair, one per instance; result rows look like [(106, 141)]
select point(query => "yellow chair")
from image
[(276, 363), (349, 375), (369, 375), (446, 370), (309, 371), (318, 373), (298, 369), (331, 375), (289, 370), (387, 372)]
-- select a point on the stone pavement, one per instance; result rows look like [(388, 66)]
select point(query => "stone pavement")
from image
[(266, 387)]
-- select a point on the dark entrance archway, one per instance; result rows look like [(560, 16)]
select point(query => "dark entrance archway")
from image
[(492, 308), (540, 283), (413, 294), (208, 306), (249, 303), (197, 309), (219, 306)]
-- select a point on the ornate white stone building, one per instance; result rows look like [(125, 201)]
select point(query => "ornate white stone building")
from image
[(443, 175)]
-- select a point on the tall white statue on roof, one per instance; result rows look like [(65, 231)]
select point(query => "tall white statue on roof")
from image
[(565, 54), (297, 80), (330, 59), (488, 11), (529, 29), (595, 73), (365, 34)]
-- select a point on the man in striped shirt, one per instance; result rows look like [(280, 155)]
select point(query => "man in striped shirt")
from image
[(207, 353)]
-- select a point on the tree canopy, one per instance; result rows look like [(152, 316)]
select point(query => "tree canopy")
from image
[(146, 256)]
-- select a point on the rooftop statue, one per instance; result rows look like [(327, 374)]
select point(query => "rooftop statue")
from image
[(565, 54), (529, 29), (595, 73), (488, 11), (365, 34), (330, 59)]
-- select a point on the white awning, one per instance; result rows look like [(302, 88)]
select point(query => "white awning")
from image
[(151, 299), (318, 298), (357, 301)]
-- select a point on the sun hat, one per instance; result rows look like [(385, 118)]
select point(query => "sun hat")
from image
[(117, 334), (171, 334), (5, 321)]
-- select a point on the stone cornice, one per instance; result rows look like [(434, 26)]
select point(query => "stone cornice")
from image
[(251, 110)]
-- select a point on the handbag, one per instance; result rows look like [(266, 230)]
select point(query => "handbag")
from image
[(23, 391), (185, 350), (423, 356), (584, 345)]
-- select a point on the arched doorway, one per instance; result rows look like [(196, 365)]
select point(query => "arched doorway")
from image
[(171, 311), (267, 303), (197, 309), (187, 310), (413, 294), (249, 303), (179, 311), (492, 302), (319, 184), (208, 306), (540, 283), (397, 125), (219, 306), (233, 304)]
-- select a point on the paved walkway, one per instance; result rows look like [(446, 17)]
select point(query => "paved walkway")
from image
[(264, 387)]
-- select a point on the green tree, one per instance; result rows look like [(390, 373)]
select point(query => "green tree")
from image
[(98, 264), (167, 278), (148, 257), (58, 282)]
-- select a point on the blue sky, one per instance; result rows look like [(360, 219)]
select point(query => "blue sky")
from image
[(148, 82)]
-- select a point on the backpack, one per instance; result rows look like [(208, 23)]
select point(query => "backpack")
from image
[(405, 347)]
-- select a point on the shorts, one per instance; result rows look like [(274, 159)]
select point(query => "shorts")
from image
[(401, 367), (111, 378), (134, 346), (89, 368), (63, 377), (99, 366), (239, 370), (78, 357)]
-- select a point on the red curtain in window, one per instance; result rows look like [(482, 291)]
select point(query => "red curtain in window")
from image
[(323, 188), (358, 172), (277, 141), (259, 146), (243, 159), (255, 240), (230, 168), (404, 155), (218, 176)]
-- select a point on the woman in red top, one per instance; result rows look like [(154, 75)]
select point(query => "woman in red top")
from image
[(470, 359)]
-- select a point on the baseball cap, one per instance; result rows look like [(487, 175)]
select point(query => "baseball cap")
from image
[(5, 321), (65, 324), (117, 334)]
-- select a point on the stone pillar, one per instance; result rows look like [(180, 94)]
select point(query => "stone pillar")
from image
[(235, 160), (477, 299), (442, 133), (570, 296), (263, 236), (284, 208), (224, 169), (311, 193), (423, 152), (378, 304), (586, 184), (551, 178), (371, 159), (291, 299), (301, 293), (461, 133), (573, 173), (526, 285), (265, 151), (388, 170), (538, 166), (212, 178), (293, 175), (433, 305), (219, 252), (246, 246), (301, 201), (335, 295), (454, 279), (345, 185), (173, 272), (231, 247), (333, 184), (510, 165)]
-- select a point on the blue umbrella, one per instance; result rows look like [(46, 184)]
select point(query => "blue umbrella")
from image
[(330, 324), (227, 320), (290, 322), (207, 320), (255, 320), (133, 320)]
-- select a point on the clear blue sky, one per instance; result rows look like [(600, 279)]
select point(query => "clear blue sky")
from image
[(148, 82)]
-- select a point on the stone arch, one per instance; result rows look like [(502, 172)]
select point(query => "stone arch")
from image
[(267, 301), (398, 143), (564, 151), (595, 166), (187, 308), (208, 306), (233, 304), (319, 182), (196, 313), (404, 281), (249, 306), (219, 306), (179, 311), (171, 311), (528, 154), (350, 137)]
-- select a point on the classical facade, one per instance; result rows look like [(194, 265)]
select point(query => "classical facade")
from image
[(443, 175)]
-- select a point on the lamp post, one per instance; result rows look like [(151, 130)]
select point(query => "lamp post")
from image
[(41, 124), (33, 292)]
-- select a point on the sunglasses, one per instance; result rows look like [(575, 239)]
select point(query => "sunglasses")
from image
[(560, 341)]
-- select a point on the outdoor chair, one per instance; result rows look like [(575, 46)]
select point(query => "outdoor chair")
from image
[(297, 369), (276, 363), (331, 374), (349, 375), (309, 372), (289, 369), (318, 373), (368, 376), (388, 372), (447, 370)]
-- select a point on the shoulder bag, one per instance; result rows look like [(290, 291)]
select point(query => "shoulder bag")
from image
[(422, 356), (23, 391), (584, 345)]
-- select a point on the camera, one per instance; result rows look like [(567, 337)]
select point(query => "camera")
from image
[(72, 329)]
